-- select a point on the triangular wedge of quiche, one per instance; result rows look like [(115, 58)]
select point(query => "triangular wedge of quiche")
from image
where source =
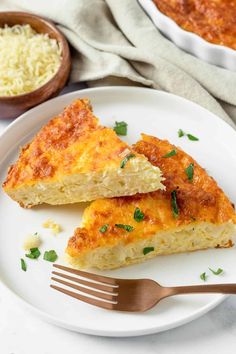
[(193, 213), (74, 159)]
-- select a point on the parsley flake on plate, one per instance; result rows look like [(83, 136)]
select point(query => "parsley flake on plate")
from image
[(23, 264), (50, 256), (125, 227), (181, 133), (147, 250), (171, 153), (34, 253), (120, 128), (192, 137), (216, 272), (203, 276), (125, 160), (103, 228), (138, 215), (190, 171), (174, 204)]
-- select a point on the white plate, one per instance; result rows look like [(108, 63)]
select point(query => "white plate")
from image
[(144, 110), (189, 41)]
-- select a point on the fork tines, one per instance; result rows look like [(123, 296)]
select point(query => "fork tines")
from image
[(102, 291)]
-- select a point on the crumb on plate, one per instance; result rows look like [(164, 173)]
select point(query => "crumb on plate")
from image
[(50, 224), (31, 241)]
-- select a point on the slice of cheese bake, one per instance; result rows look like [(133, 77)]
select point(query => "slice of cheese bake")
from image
[(192, 214), (74, 159)]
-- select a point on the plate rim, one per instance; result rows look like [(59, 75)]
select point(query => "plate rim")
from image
[(111, 333), (24, 115), (104, 333)]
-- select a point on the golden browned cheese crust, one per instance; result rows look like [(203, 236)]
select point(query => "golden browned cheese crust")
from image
[(72, 142), (213, 20), (199, 200)]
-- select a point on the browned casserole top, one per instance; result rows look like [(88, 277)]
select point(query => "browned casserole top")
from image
[(213, 20), (199, 200), (72, 142)]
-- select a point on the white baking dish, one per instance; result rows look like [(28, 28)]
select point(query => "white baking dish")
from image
[(190, 42)]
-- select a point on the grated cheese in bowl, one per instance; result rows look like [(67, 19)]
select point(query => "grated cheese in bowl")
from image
[(28, 59)]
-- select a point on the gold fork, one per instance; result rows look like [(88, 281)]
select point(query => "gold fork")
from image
[(133, 295)]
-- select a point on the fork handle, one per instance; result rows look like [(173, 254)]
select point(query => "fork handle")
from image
[(216, 288)]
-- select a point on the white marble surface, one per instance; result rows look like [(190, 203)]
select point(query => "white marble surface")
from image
[(23, 333)]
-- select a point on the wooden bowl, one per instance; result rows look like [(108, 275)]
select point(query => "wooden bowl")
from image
[(12, 106)]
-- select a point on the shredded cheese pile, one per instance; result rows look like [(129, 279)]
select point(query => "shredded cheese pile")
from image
[(27, 59)]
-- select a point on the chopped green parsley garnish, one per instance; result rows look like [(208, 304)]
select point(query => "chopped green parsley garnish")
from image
[(146, 250), (216, 272), (50, 256), (138, 215), (203, 276), (23, 265), (125, 227), (125, 160), (120, 128), (174, 204), (192, 137), (181, 133), (190, 171), (34, 253), (103, 228), (171, 153)]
